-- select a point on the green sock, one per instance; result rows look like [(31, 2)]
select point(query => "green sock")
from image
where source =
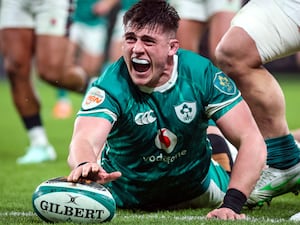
[(283, 152), (62, 93)]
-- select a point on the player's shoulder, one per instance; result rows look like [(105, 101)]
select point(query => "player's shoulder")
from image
[(187, 55), (191, 64), (115, 80), (189, 60)]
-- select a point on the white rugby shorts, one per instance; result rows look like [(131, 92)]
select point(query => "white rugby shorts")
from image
[(202, 10), (91, 39), (276, 35), (44, 16)]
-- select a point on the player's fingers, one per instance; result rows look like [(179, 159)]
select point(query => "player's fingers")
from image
[(74, 175), (241, 216), (219, 214), (89, 168), (95, 168), (231, 216), (108, 177), (212, 215), (114, 175)]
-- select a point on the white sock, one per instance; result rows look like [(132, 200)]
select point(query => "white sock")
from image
[(37, 136)]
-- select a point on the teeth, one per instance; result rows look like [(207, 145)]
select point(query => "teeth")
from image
[(140, 61)]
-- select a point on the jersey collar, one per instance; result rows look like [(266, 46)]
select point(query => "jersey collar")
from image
[(166, 86)]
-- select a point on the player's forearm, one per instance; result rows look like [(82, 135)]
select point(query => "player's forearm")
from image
[(247, 168), (80, 152), (245, 174)]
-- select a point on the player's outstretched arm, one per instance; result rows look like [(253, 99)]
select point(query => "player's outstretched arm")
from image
[(89, 136)]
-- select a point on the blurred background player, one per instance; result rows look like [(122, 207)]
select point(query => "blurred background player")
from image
[(86, 49), (211, 19), (35, 29), (115, 49), (63, 106), (197, 17), (261, 32)]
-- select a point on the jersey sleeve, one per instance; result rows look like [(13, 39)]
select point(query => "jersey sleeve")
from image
[(97, 103), (107, 95), (221, 92)]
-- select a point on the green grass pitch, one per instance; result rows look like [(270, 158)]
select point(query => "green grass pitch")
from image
[(17, 183)]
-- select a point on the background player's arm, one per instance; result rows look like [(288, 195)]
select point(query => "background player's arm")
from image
[(103, 7)]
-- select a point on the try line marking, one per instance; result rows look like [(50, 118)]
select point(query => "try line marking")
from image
[(151, 216)]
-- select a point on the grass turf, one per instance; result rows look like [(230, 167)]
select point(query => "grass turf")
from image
[(17, 183)]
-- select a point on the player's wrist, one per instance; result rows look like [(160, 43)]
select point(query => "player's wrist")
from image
[(234, 199)]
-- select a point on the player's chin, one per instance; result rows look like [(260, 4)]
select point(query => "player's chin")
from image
[(141, 80)]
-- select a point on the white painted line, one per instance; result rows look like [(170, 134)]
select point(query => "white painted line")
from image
[(17, 214), (153, 216)]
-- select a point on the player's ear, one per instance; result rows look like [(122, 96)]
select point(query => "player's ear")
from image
[(173, 46)]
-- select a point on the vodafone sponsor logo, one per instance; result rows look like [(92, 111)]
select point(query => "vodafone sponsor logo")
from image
[(165, 158), (165, 140)]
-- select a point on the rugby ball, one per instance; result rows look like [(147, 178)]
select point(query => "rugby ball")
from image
[(57, 200)]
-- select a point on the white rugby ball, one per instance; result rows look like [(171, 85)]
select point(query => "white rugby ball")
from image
[(57, 200)]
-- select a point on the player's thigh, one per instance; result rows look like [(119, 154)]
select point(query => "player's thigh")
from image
[(219, 24), (17, 51), (237, 51), (71, 56), (91, 63), (51, 53), (92, 44), (213, 196), (195, 29), (274, 36), (218, 185), (115, 49)]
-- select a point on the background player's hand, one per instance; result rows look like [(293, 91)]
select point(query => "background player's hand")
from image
[(102, 8), (94, 172), (225, 214)]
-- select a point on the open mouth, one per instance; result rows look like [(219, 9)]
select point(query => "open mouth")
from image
[(140, 65)]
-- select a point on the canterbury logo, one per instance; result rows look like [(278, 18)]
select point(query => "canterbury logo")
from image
[(145, 118)]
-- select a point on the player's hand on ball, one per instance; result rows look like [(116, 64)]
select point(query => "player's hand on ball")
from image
[(225, 214), (94, 172)]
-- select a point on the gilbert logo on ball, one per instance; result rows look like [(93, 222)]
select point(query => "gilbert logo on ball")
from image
[(57, 200)]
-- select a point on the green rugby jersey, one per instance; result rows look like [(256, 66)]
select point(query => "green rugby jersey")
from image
[(127, 4), (158, 140), (83, 13)]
